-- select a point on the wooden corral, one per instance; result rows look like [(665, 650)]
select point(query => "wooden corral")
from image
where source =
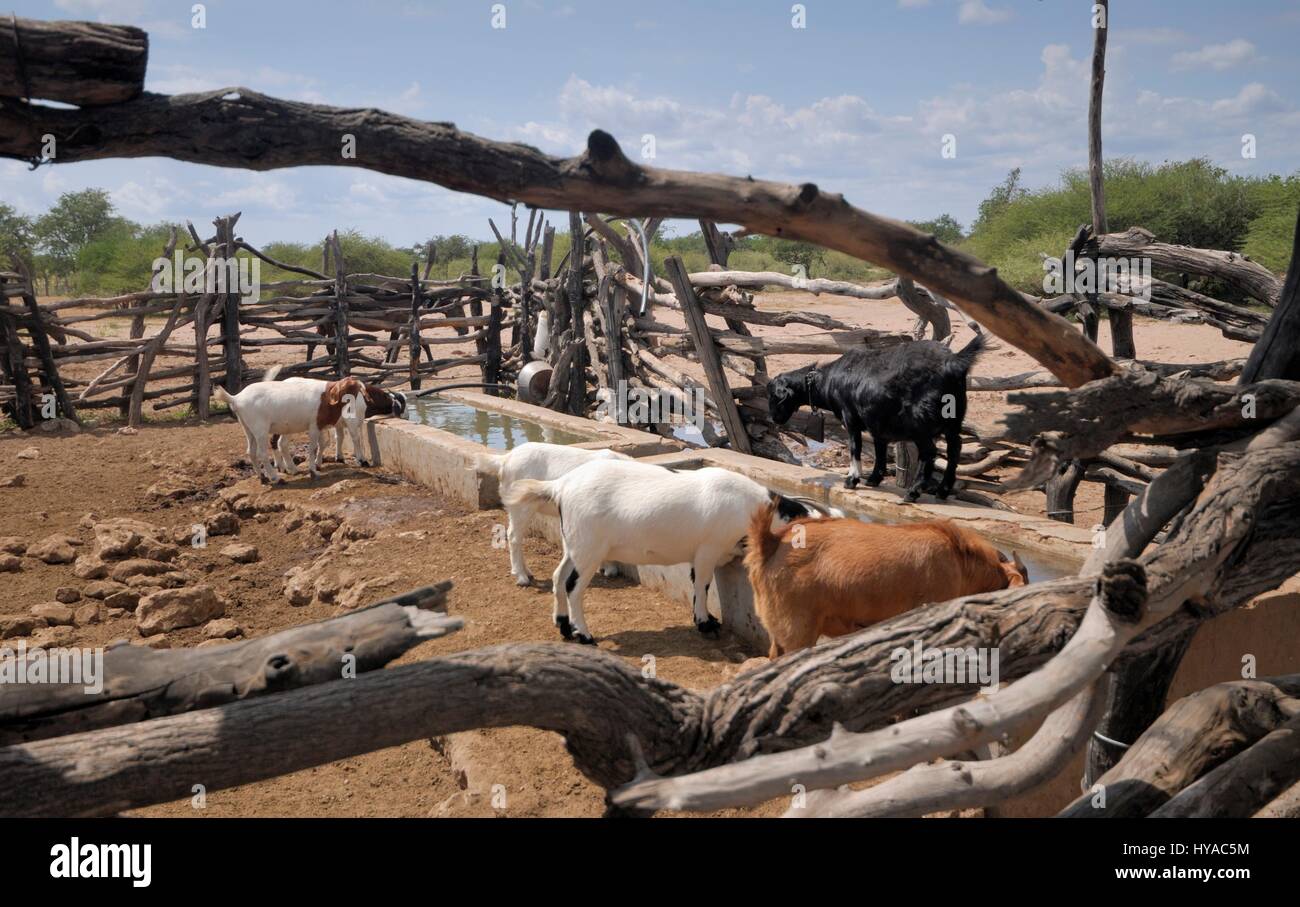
[(1213, 470)]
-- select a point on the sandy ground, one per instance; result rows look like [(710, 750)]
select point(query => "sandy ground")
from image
[(171, 474)]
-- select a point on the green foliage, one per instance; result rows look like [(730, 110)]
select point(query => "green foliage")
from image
[(16, 234), (945, 228), (1272, 232), (119, 259), (75, 219), (1190, 203)]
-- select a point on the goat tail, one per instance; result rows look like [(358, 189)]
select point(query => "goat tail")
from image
[(221, 394), (491, 463), (761, 541), (528, 491), (964, 358), (272, 373)]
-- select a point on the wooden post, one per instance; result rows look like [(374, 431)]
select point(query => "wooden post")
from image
[(342, 365), (414, 331), (128, 407), (1060, 490), (234, 377), (41, 343), (489, 345), (1121, 321), (577, 401), (132, 365), (708, 354), (202, 380), (135, 416), (614, 304), (14, 363)]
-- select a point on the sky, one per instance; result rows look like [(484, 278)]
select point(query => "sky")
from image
[(859, 100)]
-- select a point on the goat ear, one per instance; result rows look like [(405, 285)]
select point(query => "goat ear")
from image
[(333, 393), (1002, 556), (1020, 565)]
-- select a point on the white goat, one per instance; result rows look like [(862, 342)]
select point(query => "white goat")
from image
[(294, 406), (638, 513), (544, 462), (542, 342)]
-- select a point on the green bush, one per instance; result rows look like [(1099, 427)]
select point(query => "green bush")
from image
[(1190, 203)]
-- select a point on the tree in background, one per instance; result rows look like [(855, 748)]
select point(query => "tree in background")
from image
[(16, 235), (76, 219), (945, 228), (797, 252), (1008, 191)]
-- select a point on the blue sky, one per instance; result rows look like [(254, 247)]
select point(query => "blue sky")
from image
[(858, 101)]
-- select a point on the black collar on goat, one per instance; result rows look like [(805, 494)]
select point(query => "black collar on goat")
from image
[(910, 392)]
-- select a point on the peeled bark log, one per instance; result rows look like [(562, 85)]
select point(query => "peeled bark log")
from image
[(241, 128)]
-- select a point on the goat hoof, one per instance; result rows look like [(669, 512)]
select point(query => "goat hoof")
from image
[(913, 494), (873, 481), (363, 463), (280, 480), (583, 639), (851, 482), (523, 581), (566, 628), (710, 627)]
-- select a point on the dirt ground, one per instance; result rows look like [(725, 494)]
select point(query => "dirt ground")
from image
[(395, 536)]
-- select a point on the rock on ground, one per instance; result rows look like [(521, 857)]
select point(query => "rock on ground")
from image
[(172, 609)]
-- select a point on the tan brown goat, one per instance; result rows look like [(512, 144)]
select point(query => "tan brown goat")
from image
[(816, 578)]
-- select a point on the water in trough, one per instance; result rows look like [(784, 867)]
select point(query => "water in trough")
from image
[(494, 430)]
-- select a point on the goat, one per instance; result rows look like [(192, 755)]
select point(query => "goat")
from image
[(908, 393), (544, 462), (639, 513), (830, 577), (270, 409), (377, 399)]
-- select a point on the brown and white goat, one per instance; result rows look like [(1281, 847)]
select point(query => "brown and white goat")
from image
[(270, 409), (815, 578)]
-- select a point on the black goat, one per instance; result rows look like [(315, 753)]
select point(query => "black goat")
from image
[(908, 393)]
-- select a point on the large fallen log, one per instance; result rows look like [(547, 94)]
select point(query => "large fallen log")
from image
[(1251, 278), (1193, 736), (140, 683), (236, 127), (83, 63), (1078, 423)]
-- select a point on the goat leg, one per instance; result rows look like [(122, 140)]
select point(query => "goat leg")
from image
[(708, 625), (881, 448), (924, 483), (855, 460), (953, 437)]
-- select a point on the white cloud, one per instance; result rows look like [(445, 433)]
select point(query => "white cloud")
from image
[(977, 12), (1216, 56)]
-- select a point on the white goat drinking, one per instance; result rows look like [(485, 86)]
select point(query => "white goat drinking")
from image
[(543, 462), (638, 513)]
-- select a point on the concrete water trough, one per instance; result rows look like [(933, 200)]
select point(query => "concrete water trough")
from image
[(444, 440)]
